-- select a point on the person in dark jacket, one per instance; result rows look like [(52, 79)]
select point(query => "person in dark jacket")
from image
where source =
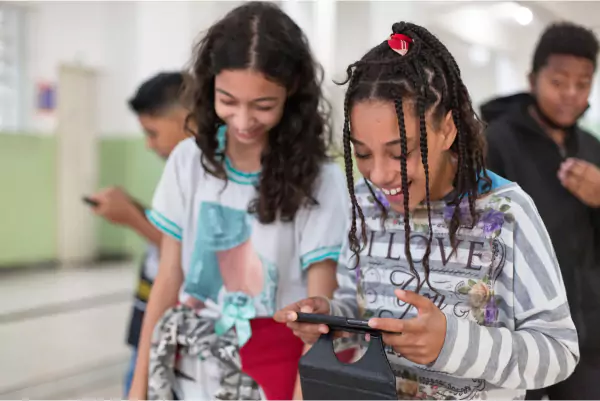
[(534, 140)]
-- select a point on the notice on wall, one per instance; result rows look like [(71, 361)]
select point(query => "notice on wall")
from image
[(46, 97)]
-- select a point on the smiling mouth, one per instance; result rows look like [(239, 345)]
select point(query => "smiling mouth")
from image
[(394, 191), (248, 131)]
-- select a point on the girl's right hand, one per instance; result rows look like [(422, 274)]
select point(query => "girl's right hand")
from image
[(309, 333)]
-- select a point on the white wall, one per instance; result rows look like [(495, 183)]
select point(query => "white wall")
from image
[(117, 78), (60, 32), (126, 42), (66, 31), (491, 27)]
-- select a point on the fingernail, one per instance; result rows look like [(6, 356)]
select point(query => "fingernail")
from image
[(401, 292), (373, 323), (323, 329), (306, 309), (291, 316)]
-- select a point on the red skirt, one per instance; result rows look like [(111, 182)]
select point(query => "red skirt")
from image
[(271, 358)]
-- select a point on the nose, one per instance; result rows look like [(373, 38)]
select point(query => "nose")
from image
[(383, 172), (570, 92), (243, 119)]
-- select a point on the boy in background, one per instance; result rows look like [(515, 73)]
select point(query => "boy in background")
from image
[(534, 140), (159, 109)]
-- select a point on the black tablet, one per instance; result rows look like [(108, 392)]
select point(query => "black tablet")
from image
[(338, 323)]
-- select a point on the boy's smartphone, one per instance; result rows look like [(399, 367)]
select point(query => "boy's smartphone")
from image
[(90, 201), (338, 323)]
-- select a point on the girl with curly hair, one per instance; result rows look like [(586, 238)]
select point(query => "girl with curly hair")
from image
[(251, 205)]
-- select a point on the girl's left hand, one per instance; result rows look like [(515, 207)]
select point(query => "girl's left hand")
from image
[(419, 339)]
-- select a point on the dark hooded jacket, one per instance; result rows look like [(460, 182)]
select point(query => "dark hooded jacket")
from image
[(520, 151)]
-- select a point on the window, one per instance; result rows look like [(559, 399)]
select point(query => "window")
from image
[(11, 66)]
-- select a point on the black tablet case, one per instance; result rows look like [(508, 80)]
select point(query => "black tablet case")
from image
[(324, 377)]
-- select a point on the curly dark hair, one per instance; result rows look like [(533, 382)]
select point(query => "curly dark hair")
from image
[(428, 77), (565, 38), (260, 36)]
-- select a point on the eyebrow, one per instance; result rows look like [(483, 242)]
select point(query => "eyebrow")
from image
[(260, 99), (390, 143), (564, 71)]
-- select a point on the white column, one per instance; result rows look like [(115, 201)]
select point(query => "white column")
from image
[(119, 79), (317, 19), (325, 17), (301, 11), (77, 160), (325, 13)]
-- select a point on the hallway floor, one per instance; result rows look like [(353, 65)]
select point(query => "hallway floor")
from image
[(63, 332)]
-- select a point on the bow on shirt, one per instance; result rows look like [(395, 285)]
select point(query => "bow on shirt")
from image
[(237, 311)]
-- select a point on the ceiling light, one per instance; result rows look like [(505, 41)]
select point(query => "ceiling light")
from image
[(523, 15)]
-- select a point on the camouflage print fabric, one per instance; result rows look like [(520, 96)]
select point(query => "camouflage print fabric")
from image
[(182, 330)]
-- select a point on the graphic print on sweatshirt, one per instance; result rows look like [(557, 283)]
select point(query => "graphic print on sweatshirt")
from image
[(501, 278), (464, 278)]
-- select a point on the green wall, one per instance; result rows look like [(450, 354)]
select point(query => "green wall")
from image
[(128, 164), (29, 200)]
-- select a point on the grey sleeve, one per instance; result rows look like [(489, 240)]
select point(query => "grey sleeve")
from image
[(543, 349)]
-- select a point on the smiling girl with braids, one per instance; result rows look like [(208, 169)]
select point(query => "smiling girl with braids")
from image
[(450, 259)]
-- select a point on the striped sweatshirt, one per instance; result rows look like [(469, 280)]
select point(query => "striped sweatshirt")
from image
[(509, 326)]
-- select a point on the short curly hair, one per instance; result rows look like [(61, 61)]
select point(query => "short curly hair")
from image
[(565, 38)]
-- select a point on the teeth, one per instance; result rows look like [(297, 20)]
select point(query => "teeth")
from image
[(392, 192)]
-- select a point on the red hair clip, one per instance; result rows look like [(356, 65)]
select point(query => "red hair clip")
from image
[(399, 43)]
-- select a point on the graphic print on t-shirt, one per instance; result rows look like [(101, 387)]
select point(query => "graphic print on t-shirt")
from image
[(225, 265), (245, 268)]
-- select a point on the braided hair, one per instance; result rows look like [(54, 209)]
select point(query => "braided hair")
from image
[(429, 77)]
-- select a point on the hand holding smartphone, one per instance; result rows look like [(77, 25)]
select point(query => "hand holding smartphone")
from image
[(338, 323)]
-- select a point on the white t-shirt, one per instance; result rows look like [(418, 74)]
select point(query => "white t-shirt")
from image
[(228, 256)]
